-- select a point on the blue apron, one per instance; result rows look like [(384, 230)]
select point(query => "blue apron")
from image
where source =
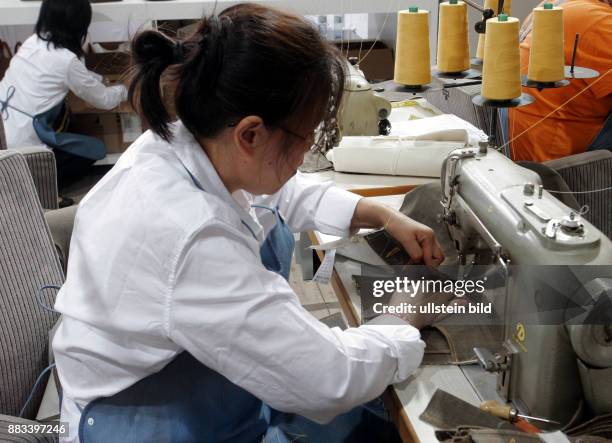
[(45, 128), (74, 144), (187, 401)]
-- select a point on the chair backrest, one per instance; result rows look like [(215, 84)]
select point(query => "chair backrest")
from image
[(586, 172), (28, 260)]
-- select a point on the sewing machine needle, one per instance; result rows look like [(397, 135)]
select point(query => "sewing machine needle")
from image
[(545, 420)]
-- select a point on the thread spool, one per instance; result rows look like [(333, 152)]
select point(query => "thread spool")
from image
[(501, 71), (412, 61), (546, 58), (453, 47), (494, 5)]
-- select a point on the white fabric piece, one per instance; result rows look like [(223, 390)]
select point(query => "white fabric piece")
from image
[(392, 155), (414, 148), (445, 127), (42, 76), (355, 247), (158, 266)]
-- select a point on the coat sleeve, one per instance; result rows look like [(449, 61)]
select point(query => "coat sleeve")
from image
[(88, 86), (309, 205), (248, 325)]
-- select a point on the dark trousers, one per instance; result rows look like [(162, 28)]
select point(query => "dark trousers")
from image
[(70, 168)]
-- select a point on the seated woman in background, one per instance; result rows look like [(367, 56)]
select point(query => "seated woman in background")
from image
[(573, 128), (47, 66)]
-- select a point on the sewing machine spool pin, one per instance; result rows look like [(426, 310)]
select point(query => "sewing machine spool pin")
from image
[(522, 100), (572, 71)]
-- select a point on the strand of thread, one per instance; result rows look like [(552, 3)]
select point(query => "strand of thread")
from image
[(609, 188), (561, 106), (378, 34)]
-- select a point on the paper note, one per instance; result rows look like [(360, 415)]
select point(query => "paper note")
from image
[(324, 273)]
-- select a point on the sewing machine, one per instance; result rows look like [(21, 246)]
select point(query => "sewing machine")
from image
[(362, 111), (498, 214)]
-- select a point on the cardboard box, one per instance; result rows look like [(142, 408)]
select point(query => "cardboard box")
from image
[(108, 64), (116, 127), (378, 65), (106, 127)]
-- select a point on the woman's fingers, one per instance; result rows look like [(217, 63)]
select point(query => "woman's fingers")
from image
[(414, 249), (418, 240)]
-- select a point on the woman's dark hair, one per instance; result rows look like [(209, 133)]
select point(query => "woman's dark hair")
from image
[(64, 23), (248, 60)]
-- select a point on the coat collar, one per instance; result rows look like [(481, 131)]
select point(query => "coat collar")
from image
[(205, 176)]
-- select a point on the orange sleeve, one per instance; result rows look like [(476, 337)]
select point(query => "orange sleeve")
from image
[(595, 52)]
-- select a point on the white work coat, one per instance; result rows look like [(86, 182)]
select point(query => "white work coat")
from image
[(42, 75), (158, 266)]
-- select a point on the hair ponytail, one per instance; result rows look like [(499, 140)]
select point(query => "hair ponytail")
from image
[(248, 60), (152, 54)]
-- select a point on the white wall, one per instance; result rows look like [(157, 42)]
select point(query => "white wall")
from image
[(14, 34)]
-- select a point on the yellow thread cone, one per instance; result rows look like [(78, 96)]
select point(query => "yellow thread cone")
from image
[(453, 48), (501, 72), (494, 5), (546, 59), (412, 65)]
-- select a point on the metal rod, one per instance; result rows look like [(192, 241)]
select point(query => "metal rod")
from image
[(493, 140), (474, 5), (458, 85), (575, 51), (500, 7)]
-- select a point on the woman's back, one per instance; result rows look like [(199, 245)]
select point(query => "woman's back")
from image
[(39, 74)]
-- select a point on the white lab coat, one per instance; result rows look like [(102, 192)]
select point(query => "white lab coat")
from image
[(158, 266), (42, 75)]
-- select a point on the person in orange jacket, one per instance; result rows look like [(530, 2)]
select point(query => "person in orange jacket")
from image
[(572, 128)]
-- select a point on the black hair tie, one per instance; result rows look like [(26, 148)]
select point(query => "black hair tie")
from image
[(178, 53)]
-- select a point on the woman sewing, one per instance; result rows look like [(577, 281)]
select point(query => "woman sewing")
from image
[(47, 66), (178, 320)]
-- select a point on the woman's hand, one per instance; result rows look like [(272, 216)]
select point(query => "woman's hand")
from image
[(418, 240)]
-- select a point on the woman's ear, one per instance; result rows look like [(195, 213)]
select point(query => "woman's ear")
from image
[(250, 133)]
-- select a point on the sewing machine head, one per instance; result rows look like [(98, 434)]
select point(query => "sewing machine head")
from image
[(491, 204), (498, 214), (362, 111)]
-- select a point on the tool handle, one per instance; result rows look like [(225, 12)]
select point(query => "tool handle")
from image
[(525, 426), (497, 409)]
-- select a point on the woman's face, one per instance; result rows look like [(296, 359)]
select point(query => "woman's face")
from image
[(260, 158), (281, 159)]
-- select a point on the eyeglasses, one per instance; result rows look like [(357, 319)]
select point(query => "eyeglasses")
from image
[(316, 139)]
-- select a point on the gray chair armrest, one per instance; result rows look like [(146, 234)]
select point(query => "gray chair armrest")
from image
[(61, 222), (41, 163)]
